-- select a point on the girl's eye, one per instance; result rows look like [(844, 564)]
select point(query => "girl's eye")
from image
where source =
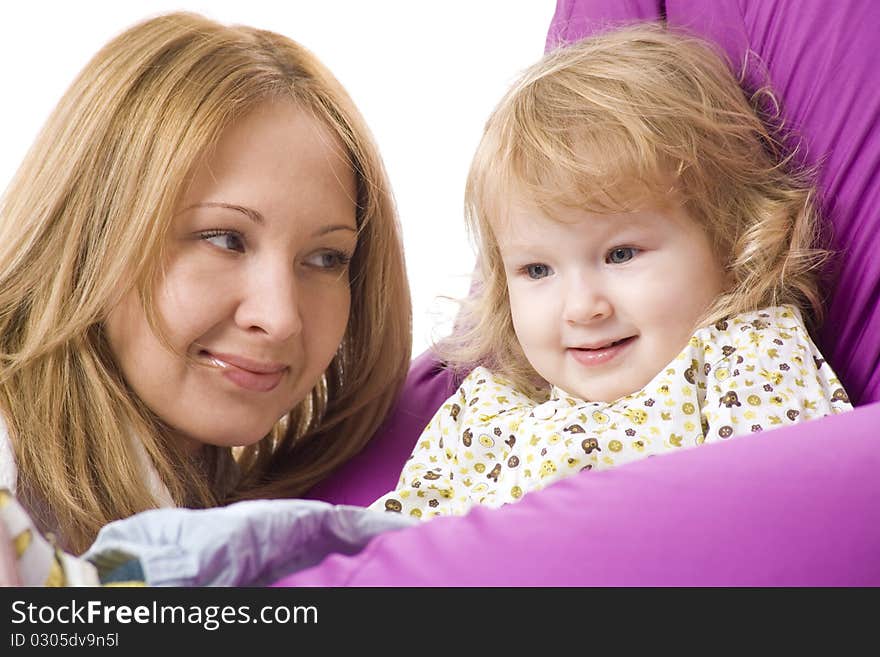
[(330, 260), (224, 239), (620, 255), (537, 271)]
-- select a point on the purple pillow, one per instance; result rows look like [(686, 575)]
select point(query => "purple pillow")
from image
[(822, 63), (375, 471), (797, 506)]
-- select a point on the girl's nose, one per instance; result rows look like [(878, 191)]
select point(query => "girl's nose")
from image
[(586, 301)]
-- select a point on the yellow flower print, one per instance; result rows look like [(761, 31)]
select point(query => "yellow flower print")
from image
[(773, 377), (636, 415)]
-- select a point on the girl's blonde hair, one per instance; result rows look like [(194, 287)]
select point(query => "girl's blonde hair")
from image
[(634, 117), (86, 216)]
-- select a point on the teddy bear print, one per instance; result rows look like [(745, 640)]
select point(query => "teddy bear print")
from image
[(691, 372), (590, 444), (729, 399)]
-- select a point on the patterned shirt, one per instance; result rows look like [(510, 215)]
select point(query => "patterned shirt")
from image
[(491, 443)]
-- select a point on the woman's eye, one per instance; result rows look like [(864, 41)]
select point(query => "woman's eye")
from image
[(537, 271), (225, 239), (331, 260), (621, 254)]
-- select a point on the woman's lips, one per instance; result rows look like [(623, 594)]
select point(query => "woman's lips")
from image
[(247, 373), (595, 357)]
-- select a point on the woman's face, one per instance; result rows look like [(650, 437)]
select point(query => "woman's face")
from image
[(255, 294)]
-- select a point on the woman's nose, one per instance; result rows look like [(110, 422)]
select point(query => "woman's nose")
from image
[(271, 304)]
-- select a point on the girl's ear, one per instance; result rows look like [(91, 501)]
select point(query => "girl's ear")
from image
[(729, 278)]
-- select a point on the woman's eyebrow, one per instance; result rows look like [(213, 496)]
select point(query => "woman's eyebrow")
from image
[(250, 213), (324, 230), (257, 217)]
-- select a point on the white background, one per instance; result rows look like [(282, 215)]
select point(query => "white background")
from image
[(425, 75)]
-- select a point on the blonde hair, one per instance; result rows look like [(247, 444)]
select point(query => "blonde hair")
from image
[(618, 121), (86, 216)]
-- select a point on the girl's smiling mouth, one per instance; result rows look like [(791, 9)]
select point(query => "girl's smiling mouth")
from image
[(593, 356)]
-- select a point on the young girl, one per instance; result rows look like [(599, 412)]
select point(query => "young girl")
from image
[(647, 276), (199, 252)]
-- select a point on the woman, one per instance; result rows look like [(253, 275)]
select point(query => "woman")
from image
[(200, 252)]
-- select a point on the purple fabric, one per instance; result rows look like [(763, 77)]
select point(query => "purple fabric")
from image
[(375, 471), (792, 507), (795, 506), (573, 20)]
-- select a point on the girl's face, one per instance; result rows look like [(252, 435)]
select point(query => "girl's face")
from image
[(255, 294), (601, 303)]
